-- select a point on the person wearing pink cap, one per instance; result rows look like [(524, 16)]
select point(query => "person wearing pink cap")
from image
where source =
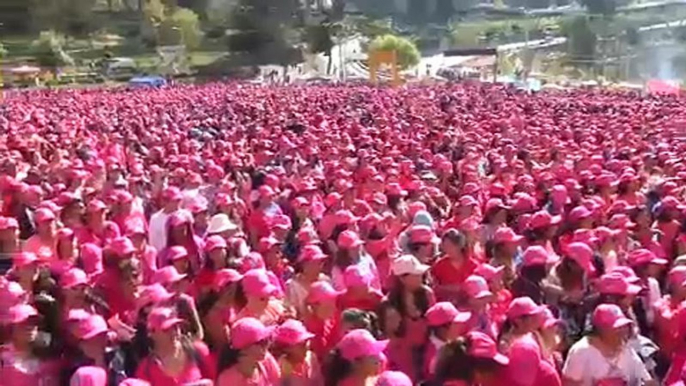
[(643, 232), (603, 357), (215, 258), (647, 267), (350, 251), (321, 317), (9, 241), (669, 316), (65, 251), (495, 216), (180, 234), (502, 296), (505, 244), (532, 271), (528, 366), (299, 365), (89, 376), (44, 241), (247, 360), (20, 365), (308, 270), (607, 246), (146, 253), (172, 361), (550, 339), (451, 270), (263, 209), (25, 270), (446, 324), (356, 360), (271, 249), (97, 229), (469, 361), (358, 291), (261, 302), (220, 306), (393, 378), (411, 299), (157, 229)]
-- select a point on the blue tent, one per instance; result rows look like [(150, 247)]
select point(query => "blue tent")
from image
[(147, 81)]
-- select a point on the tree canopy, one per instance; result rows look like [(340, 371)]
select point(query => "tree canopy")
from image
[(407, 53)]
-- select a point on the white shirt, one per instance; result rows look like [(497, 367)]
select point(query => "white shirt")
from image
[(586, 364), (157, 230)]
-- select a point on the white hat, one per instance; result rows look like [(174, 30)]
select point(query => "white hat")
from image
[(408, 265), (220, 223)]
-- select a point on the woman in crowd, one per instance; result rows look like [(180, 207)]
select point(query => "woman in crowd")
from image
[(356, 360), (470, 361)]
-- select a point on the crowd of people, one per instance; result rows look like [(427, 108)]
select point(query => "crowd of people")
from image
[(233, 234)]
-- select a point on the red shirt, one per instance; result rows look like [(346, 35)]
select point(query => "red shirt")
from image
[(369, 302), (445, 272), (324, 335)]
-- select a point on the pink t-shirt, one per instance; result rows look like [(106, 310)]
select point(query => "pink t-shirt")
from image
[(267, 373), (150, 369), (32, 372), (527, 366), (44, 251)]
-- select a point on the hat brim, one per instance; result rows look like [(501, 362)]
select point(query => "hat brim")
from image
[(622, 322), (658, 262), (482, 295), (501, 359), (462, 317), (633, 289), (555, 220), (93, 334), (173, 322)]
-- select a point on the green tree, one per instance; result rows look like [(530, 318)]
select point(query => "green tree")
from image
[(48, 50), (69, 17), (187, 26), (600, 7), (581, 40), (407, 53)]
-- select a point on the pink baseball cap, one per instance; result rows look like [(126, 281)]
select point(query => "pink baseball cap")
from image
[(153, 294), (121, 246), (256, 283), (536, 255), (495, 203), (177, 252), (422, 234), (349, 239), (267, 243), (73, 277), (162, 319), (360, 343), (582, 254), (604, 233), (248, 331), (483, 346), (677, 276), (586, 236), (609, 316), (134, 382), (292, 332), (468, 200), (523, 306), (549, 320), (580, 213), (543, 219), (627, 272), (172, 193), (91, 327), (476, 287), (214, 242), (282, 222), (225, 276), (321, 291), (643, 256), (393, 378), (167, 275), (23, 259), (355, 277), (44, 215), (489, 272), (311, 253), (8, 223), (89, 376), (617, 284), (443, 313), (20, 314), (95, 206), (506, 235)]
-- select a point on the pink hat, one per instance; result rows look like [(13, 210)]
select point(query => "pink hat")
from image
[(311, 253), (609, 316), (543, 219), (476, 287), (617, 284), (44, 215), (677, 276), (153, 294), (172, 193), (346, 217), (443, 313), (22, 259), (91, 327), (639, 257), (321, 291), (292, 332), (11, 294), (95, 206), (248, 331), (360, 343), (586, 236), (549, 320), (20, 314), (422, 234), (393, 378), (489, 272), (162, 319), (73, 277), (349, 239), (355, 277), (121, 246), (89, 376), (523, 306), (604, 233), (176, 252), (495, 203), (627, 272), (467, 200), (224, 277), (582, 254), (256, 283), (267, 243), (524, 203), (214, 242), (8, 223), (536, 255), (167, 275), (281, 222), (483, 346), (580, 213), (78, 315), (91, 257), (506, 235)]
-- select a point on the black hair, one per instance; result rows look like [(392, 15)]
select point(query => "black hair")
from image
[(362, 320), (394, 203), (569, 272), (534, 273), (343, 260), (336, 368), (396, 298), (535, 235), (227, 358), (455, 364), (458, 238)]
